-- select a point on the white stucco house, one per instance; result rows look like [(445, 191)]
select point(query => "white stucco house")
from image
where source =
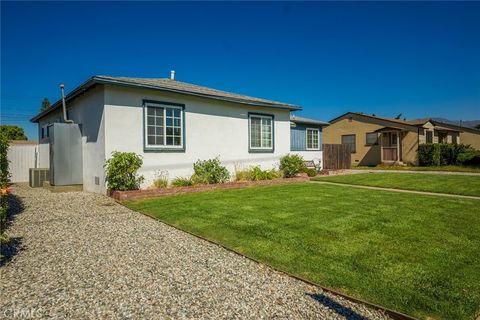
[(171, 124)]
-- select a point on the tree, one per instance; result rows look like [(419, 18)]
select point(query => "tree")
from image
[(45, 104), (477, 126), (12, 132)]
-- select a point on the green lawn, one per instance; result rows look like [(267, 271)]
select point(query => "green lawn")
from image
[(475, 169), (442, 183), (412, 253)]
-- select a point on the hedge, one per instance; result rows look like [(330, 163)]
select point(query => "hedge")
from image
[(445, 154), (4, 183)]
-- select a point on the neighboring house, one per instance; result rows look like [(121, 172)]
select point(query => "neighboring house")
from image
[(306, 138), (374, 140), (171, 124)]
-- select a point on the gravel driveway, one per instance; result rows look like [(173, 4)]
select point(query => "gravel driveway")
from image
[(84, 256)]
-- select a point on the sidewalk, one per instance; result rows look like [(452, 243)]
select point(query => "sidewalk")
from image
[(399, 190)]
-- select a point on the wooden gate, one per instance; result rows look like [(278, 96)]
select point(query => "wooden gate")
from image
[(336, 156)]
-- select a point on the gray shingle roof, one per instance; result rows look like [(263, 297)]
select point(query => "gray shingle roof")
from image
[(165, 84), (183, 87), (298, 119)]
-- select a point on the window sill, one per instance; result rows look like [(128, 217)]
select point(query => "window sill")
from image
[(153, 149), (260, 150)]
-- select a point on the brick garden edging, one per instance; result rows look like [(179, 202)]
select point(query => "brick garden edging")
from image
[(149, 193)]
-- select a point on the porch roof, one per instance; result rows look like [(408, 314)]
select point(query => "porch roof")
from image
[(390, 128), (440, 128)]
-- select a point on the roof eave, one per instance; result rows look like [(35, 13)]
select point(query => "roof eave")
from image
[(99, 80), (242, 101)]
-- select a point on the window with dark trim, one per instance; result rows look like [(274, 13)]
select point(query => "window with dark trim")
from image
[(454, 138), (261, 132), (313, 139), (349, 139), (371, 138), (429, 136), (163, 126)]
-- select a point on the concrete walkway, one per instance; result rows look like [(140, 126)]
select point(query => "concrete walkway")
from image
[(413, 171), (399, 190)]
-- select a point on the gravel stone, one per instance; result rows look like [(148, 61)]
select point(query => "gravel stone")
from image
[(83, 256)]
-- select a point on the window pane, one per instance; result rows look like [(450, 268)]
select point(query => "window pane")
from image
[(169, 112), (176, 122), (150, 120), (176, 131), (150, 111), (151, 140), (177, 141), (159, 131), (176, 113), (255, 126), (350, 140), (372, 138), (169, 122), (169, 141), (151, 130), (159, 140)]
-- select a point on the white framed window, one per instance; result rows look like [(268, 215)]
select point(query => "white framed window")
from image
[(261, 132), (313, 142), (45, 131), (163, 126)]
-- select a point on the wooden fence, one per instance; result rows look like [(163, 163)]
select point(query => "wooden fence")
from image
[(336, 156)]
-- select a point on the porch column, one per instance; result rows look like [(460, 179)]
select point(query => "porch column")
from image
[(381, 147), (398, 146)]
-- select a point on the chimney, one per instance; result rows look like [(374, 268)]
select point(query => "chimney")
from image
[(172, 75)]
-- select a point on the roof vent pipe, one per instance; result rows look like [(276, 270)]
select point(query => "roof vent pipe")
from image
[(64, 106), (172, 75)]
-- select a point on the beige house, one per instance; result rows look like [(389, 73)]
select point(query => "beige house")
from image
[(375, 140)]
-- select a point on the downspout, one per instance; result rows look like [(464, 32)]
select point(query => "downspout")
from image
[(64, 106)]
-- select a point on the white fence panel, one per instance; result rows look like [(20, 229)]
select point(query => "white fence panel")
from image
[(22, 157)]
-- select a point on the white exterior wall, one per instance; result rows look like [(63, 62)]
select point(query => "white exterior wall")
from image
[(87, 110), (213, 128)]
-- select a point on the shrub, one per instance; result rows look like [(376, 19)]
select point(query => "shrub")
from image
[(121, 171), (4, 182), (210, 171), (183, 182), (310, 172), (160, 183), (256, 174), (4, 173), (441, 154), (291, 165), (469, 158), (161, 180)]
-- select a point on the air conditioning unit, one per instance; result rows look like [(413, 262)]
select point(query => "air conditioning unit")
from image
[(37, 176)]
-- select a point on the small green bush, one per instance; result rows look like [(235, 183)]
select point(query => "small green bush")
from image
[(441, 154), (291, 165), (121, 171), (256, 174), (161, 180), (183, 182), (210, 171), (4, 183), (469, 158), (160, 183), (310, 172), (4, 173)]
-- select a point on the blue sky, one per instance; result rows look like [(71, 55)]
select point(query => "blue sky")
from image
[(419, 59)]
